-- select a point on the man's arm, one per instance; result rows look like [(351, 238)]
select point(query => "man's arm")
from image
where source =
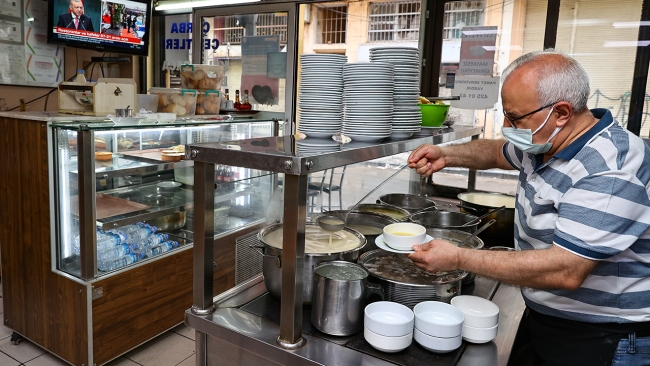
[(553, 268), (477, 154)]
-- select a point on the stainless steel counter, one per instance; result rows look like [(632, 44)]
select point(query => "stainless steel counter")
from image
[(236, 335), (227, 335)]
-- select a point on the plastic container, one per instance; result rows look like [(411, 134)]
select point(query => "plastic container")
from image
[(181, 102), (208, 102), (434, 115), (201, 77), (148, 102)]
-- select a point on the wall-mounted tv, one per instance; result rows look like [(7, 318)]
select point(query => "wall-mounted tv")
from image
[(120, 26)]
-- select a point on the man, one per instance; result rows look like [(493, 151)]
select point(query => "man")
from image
[(582, 216), (76, 18)]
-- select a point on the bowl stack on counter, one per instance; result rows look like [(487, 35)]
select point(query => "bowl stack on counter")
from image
[(436, 326), (407, 116), (367, 101), (320, 99)]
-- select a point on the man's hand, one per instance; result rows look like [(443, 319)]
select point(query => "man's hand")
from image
[(436, 255), (427, 159)]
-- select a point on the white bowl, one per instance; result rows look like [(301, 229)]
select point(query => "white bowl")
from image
[(404, 235), (479, 335), (388, 319), (387, 344), (438, 319), (478, 312), (437, 344)]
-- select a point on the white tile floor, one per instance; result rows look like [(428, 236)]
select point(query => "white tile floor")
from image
[(174, 348)]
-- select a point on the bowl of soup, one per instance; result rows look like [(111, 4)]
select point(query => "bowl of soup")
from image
[(404, 235)]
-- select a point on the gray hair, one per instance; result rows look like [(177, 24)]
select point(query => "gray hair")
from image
[(560, 80)]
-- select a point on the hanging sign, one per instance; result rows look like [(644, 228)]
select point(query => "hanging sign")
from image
[(477, 50), (475, 91)]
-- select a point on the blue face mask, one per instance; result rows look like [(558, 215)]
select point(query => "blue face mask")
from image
[(523, 138)]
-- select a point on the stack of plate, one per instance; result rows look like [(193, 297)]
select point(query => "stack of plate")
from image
[(314, 146), (320, 102), (367, 100), (407, 116)]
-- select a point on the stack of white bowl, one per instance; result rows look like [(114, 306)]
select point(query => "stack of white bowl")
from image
[(438, 326), (481, 318), (388, 326), (367, 100), (407, 116), (320, 102)]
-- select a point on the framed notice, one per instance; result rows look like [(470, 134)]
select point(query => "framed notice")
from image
[(25, 56)]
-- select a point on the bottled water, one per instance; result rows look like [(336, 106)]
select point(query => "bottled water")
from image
[(139, 234), (107, 241), (161, 248), (149, 241), (113, 253), (118, 262), (76, 247)]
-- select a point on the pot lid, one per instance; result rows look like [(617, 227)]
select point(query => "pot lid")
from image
[(398, 268)]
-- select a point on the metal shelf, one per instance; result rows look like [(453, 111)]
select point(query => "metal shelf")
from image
[(163, 204)]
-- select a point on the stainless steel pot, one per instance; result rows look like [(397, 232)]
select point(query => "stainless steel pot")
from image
[(502, 232), (409, 202), (457, 237), (272, 262), (391, 211), (411, 292), (445, 220), (340, 293), (359, 220)]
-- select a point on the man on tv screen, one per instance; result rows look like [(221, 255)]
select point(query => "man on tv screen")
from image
[(75, 18)]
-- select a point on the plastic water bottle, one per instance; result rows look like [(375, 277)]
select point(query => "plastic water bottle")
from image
[(150, 241), (118, 262), (76, 246), (113, 253), (107, 241), (81, 76), (161, 248)]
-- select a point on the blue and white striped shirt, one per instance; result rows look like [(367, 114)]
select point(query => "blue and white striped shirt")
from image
[(592, 199)]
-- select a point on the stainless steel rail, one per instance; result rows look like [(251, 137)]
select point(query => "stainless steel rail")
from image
[(280, 155)]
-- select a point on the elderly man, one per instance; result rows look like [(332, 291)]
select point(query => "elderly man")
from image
[(76, 18), (582, 216)]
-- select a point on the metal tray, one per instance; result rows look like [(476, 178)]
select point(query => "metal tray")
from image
[(108, 206)]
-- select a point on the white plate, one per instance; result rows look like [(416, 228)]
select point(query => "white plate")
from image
[(382, 245)]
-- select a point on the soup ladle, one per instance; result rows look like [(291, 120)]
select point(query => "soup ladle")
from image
[(478, 231), (333, 223), (478, 219)]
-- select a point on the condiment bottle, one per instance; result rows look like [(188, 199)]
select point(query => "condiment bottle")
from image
[(237, 103), (81, 76), (246, 106), (227, 95)]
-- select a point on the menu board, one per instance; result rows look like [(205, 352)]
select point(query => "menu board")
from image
[(25, 56)]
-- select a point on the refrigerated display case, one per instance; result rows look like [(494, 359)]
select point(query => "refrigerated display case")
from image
[(62, 203)]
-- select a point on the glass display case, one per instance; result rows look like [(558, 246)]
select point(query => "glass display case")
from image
[(124, 193)]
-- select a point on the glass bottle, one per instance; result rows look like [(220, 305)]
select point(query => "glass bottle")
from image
[(237, 103), (246, 106), (227, 94)]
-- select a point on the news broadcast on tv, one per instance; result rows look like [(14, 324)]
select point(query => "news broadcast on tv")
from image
[(114, 24)]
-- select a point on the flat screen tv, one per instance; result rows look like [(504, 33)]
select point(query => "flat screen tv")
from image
[(120, 26)]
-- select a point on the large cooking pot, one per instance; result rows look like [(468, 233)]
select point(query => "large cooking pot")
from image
[(272, 262), (446, 220), (456, 237), (369, 224), (502, 232), (409, 202), (411, 288), (391, 211)]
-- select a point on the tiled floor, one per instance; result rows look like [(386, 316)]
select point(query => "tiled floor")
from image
[(174, 348)]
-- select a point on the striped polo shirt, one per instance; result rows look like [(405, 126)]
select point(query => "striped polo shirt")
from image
[(592, 199)]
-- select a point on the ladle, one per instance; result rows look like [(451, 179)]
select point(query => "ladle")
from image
[(332, 223), (478, 219), (478, 231)]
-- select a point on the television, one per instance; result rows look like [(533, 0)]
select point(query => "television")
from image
[(120, 26)]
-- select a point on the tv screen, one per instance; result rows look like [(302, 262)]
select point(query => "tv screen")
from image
[(107, 26)]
